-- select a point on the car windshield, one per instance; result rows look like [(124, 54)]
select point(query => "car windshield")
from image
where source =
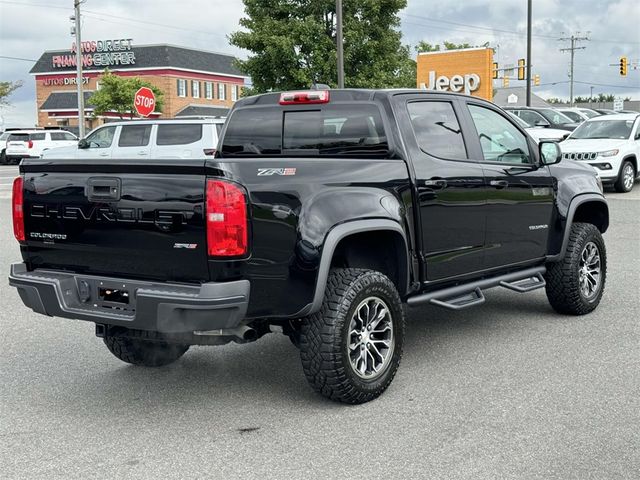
[(518, 120), (619, 129), (554, 116), (590, 113)]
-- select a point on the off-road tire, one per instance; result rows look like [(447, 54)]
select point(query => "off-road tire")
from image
[(562, 277), (620, 182), (324, 336), (147, 353)]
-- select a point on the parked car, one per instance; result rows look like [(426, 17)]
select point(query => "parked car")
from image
[(3, 147), (32, 143), (578, 115), (544, 117), (174, 138), (320, 215), (611, 144), (540, 134), (605, 111)]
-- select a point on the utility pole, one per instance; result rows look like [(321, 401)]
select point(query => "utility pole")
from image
[(591, 96), (574, 39), (76, 6), (339, 43), (529, 2)]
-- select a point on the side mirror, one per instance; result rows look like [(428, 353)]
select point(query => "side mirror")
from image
[(550, 153), (82, 143)]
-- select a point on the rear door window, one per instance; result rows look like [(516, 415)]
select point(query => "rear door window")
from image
[(332, 130), (134, 135), (37, 136), (62, 136), (178, 133), (18, 137), (437, 129)]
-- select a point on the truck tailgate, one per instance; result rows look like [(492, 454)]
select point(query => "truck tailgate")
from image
[(128, 218)]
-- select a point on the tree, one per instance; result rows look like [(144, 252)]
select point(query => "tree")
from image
[(116, 94), (6, 89), (293, 44), (423, 46)]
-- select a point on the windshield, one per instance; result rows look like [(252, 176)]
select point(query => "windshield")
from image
[(518, 120), (619, 129), (589, 113), (554, 116)]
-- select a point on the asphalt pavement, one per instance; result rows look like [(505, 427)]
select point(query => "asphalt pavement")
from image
[(506, 390)]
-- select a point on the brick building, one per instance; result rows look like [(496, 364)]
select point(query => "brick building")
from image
[(194, 82)]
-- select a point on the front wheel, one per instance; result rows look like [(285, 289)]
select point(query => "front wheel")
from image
[(142, 352), (575, 284), (626, 178), (351, 348)]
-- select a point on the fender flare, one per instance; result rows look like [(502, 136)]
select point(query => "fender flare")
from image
[(333, 238), (573, 206)]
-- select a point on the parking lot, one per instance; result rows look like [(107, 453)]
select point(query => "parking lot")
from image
[(506, 390)]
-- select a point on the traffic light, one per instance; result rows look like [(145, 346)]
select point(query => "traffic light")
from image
[(536, 80), (505, 82), (623, 66), (495, 70), (521, 63)]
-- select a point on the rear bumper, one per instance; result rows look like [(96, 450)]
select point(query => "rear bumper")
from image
[(161, 307)]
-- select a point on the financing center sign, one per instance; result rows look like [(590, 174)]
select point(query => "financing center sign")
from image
[(465, 71), (98, 53)]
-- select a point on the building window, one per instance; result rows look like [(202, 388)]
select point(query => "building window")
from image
[(182, 87), (222, 91), (234, 92), (208, 90), (195, 89)]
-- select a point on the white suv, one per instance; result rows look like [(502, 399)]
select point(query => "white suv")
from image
[(32, 143), (610, 144), (174, 138)]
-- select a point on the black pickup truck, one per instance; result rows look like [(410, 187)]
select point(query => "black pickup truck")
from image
[(320, 215)]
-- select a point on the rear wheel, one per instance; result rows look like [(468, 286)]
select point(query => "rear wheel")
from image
[(147, 353), (351, 348), (626, 178), (575, 285)]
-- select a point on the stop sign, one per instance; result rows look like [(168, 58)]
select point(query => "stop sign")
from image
[(144, 102)]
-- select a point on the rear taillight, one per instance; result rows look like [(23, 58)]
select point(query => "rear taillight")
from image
[(18, 210), (30, 144), (314, 96), (209, 151), (227, 229)]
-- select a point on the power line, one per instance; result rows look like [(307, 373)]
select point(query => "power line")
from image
[(589, 83), (18, 58), (25, 4)]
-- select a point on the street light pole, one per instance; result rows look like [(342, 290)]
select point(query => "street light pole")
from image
[(529, 2), (76, 5), (339, 43), (591, 97)]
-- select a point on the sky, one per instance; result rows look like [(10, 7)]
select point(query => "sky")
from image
[(29, 27)]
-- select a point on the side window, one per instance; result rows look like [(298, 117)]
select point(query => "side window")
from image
[(37, 136), (437, 129), (69, 136), (500, 140), (532, 118), (179, 133), (573, 116), (101, 138), (134, 136), (57, 136)]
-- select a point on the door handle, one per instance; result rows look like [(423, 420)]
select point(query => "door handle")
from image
[(435, 183), (104, 154), (142, 152), (102, 189), (499, 184)]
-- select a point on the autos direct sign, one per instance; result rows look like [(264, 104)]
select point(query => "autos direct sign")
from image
[(98, 53), (466, 71)]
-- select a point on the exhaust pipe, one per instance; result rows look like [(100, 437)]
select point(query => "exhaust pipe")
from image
[(242, 333)]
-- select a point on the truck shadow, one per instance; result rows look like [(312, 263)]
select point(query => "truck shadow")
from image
[(268, 372)]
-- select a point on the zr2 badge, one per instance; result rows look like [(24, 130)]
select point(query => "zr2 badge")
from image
[(267, 172)]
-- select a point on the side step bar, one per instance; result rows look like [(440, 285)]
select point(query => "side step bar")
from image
[(470, 294)]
